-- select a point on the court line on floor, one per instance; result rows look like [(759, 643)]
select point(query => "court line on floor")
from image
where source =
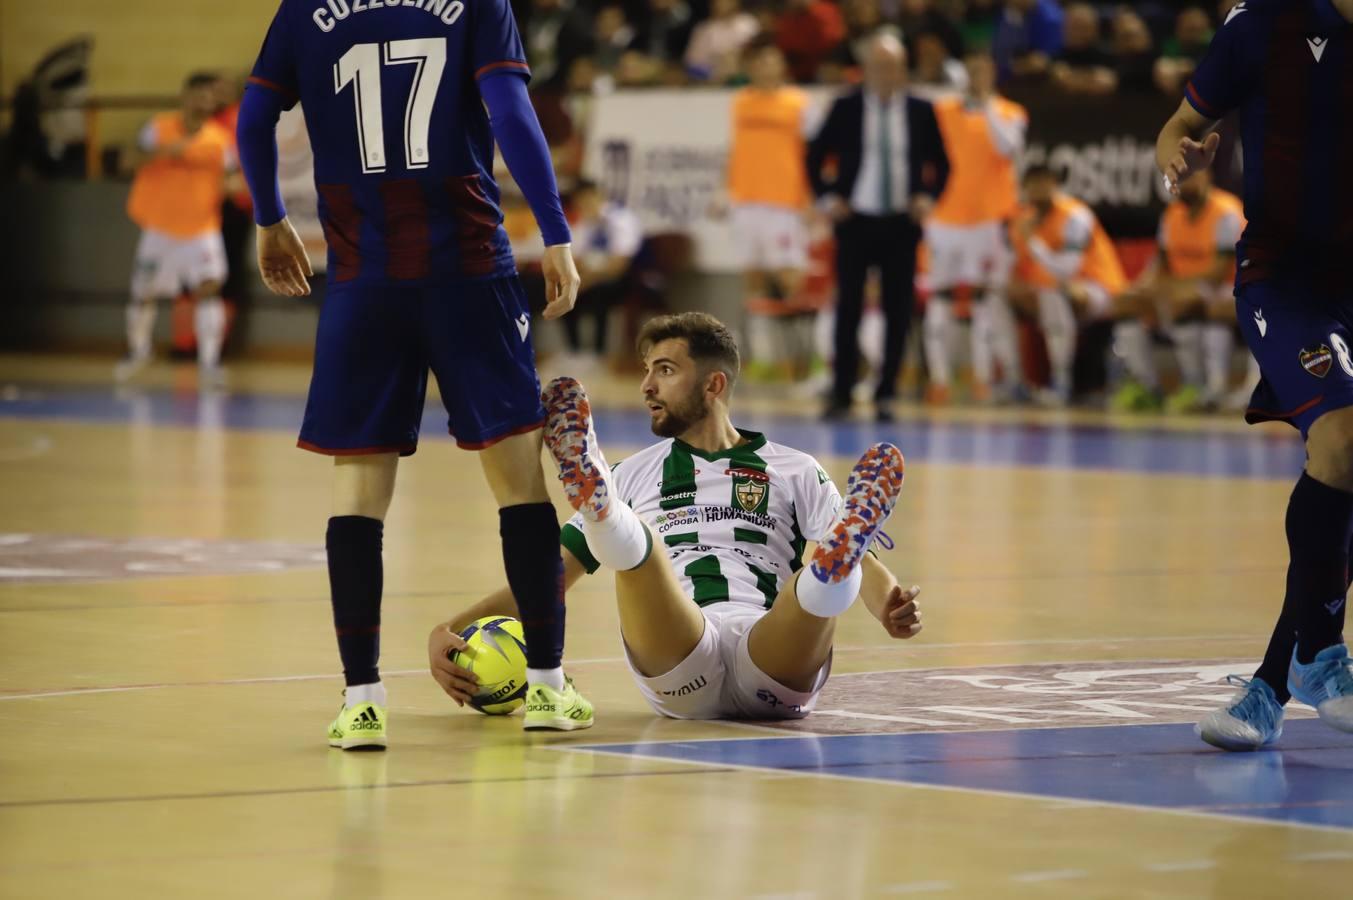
[(402, 673), (332, 788), (724, 767)]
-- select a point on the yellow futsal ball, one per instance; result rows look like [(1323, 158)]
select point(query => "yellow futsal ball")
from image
[(497, 655)]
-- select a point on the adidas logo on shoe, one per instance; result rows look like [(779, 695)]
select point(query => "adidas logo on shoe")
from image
[(364, 722)]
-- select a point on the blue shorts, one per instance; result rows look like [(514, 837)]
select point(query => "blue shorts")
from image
[(1302, 339), (374, 348)]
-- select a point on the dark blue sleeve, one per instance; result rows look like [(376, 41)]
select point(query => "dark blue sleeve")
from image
[(275, 68), (517, 131), (1223, 77), (256, 134), (496, 46)]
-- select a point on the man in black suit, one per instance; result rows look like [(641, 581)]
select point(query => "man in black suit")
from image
[(890, 167)]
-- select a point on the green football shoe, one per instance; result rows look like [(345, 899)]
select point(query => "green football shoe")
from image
[(359, 727), (1134, 397), (551, 710), (1186, 400)]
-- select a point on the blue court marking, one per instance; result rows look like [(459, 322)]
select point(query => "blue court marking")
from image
[(1226, 454), (1308, 781)]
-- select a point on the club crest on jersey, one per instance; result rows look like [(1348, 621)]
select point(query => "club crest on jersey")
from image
[(751, 489), (1317, 361)]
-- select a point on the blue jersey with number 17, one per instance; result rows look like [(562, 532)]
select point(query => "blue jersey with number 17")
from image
[(401, 141)]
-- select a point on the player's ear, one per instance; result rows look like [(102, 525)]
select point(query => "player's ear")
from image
[(716, 384)]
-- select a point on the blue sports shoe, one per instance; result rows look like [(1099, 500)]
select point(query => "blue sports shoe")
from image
[(1253, 720), (1327, 685)]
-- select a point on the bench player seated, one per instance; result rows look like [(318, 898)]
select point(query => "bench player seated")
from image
[(1066, 271), (1187, 291), (707, 532)]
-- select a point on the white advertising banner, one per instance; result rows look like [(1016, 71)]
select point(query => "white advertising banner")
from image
[(662, 153), (296, 177)]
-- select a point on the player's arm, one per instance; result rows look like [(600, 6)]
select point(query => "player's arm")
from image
[(1179, 150), (897, 609), (1007, 134), (459, 683), (1065, 263), (522, 143)]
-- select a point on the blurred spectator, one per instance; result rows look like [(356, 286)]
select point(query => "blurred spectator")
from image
[(1133, 52), (715, 50), (918, 17), (1028, 35), (890, 167), (862, 18), (555, 34), (663, 30), (983, 137), (1181, 52), (606, 238), (1083, 66), (1066, 269), (808, 32), (767, 181), (977, 21), (47, 134), (934, 66), (613, 35)]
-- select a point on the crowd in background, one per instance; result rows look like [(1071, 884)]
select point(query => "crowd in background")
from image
[(1082, 47)]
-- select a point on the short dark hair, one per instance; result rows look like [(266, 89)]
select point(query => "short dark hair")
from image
[(200, 80), (760, 42), (708, 341), (1040, 170)]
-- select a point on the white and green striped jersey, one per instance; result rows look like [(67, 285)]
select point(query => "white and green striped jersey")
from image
[(734, 523)]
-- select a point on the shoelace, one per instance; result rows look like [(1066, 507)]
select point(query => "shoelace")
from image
[(1336, 670), (1252, 706)]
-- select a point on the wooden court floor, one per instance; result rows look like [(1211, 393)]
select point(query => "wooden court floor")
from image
[(167, 669)]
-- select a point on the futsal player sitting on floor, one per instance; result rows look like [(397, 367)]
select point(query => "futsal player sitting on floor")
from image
[(708, 532)]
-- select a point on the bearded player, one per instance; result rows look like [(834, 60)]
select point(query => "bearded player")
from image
[(403, 104), (708, 532), (1288, 68)]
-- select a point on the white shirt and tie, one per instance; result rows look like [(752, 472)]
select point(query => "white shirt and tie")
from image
[(883, 184)]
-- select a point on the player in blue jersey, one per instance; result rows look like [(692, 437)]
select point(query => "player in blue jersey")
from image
[(420, 276), (1287, 66)]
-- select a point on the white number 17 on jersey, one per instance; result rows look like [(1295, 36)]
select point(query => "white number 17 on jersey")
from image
[(362, 64)]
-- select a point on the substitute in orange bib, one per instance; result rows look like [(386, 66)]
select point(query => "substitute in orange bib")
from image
[(1187, 291), (983, 136), (176, 200), (767, 179), (1065, 268)]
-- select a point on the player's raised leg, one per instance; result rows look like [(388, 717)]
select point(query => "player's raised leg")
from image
[(792, 642)]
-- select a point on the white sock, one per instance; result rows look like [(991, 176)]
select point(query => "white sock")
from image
[(982, 336), (827, 600), (552, 677), (1058, 320), (209, 324), (620, 541), (1132, 341), (140, 328), (365, 693), (939, 325), (1004, 338), (1218, 343), (1188, 348)]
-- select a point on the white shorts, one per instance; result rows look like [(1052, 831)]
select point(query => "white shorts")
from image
[(973, 255), (718, 680), (166, 266), (770, 238)]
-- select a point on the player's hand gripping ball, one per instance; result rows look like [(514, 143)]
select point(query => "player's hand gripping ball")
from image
[(496, 654)]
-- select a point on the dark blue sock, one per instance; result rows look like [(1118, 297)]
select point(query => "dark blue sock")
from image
[(356, 576), (1319, 530), (535, 572)]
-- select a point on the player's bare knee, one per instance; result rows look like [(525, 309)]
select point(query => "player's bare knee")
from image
[(207, 289), (1329, 449), (364, 485)]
